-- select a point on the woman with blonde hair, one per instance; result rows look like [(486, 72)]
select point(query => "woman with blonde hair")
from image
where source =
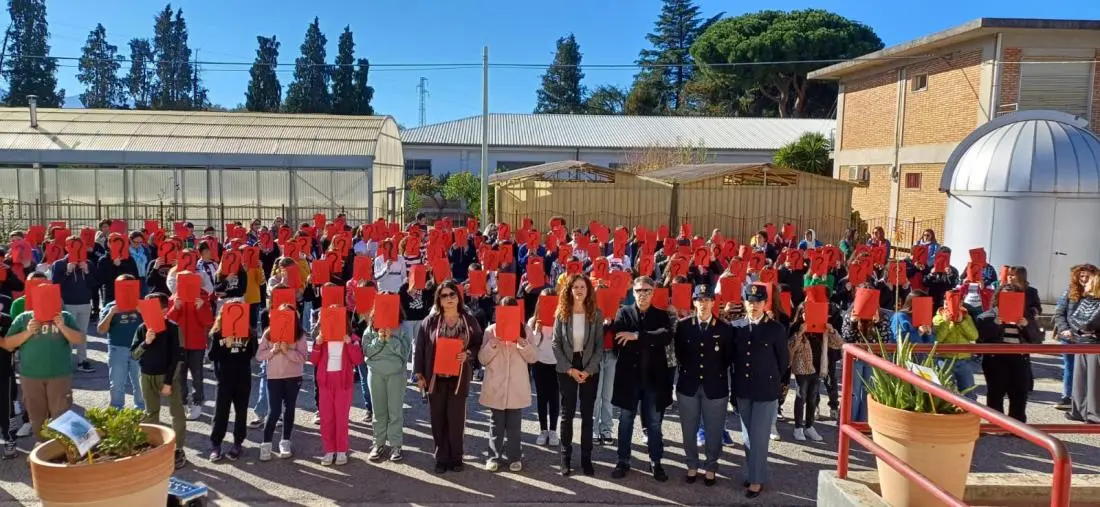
[(1079, 275), (1084, 323), (578, 347)]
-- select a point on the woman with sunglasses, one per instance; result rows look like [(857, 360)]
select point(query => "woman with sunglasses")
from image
[(447, 394)]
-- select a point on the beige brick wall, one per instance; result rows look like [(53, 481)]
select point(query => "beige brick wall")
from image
[(946, 111), (873, 201), (1010, 79), (870, 112), (926, 204)]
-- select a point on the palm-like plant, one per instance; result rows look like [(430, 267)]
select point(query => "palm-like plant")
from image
[(810, 153), (894, 392)]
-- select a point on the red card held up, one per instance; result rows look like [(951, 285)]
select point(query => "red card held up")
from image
[(152, 315), (387, 311), (817, 294), (922, 311), (681, 296), (235, 320), (506, 284), (509, 319), (119, 246), (977, 256), (334, 323), (942, 260), (536, 272), (1010, 306), (251, 256), (608, 302), (785, 302), (919, 254), (896, 273), (283, 296), (769, 276), (866, 303), (332, 295), (817, 316), (363, 268), (441, 270), (119, 227), (47, 302), (282, 328), (319, 272), (548, 306), (447, 350), (364, 298), (188, 286), (478, 282), (127, 294), (418, 277), (661, 297)]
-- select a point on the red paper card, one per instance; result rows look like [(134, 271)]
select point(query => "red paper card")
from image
[(61, 233), (608, 302), (922, 311), (858, 273), (283, 296), (230, 263), (441, 270), (574, 267), (866, 303), (645, 265), (620, 282), (127, 295), (702, 257), (251, 257), (1010, 306), (952, 300), (447, 350), (152, 315), (785, 302), (54, 252), (896, 273), (506, 284), (151, 226), (478, 282), (282, 326), (974, 272), (1004, 274), (817, 316), (919, 255), (878, 255), (678, 266), (601, 269), (363, 268), (661, 297), (47, 302), (119, 246), (418, 277), (788, 232), (188, 287), (334, 323), (387, 311), (119, 227), (28, 292), (977, 256), (536, 272), (169, 252), (508, 320), (681, 296), (817, 294), (235, 320), (548, 306), (179, 228), (87, 235), (319, 272), (769, 276), (332, 295)]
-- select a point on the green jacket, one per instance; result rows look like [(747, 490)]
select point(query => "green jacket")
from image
[(829, 281), (955, 333), (388, 357)]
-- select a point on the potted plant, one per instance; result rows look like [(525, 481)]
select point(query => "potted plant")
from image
[(130, 465), (931, 435)]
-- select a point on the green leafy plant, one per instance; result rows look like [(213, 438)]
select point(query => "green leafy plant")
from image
[(894, 392), (119, 431)]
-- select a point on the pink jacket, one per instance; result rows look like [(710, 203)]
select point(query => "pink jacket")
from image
[(507, 384), (287, 365), (353, 356)]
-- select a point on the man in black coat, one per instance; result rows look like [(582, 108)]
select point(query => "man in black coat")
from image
[(642, 333)]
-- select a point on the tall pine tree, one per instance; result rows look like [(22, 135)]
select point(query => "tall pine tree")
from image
[(670, 59), (264, 94), (175, 79), (98, 72), (139, 80), (364, 92), (28, 67), (344, 99), (309, 92), (561, 90)]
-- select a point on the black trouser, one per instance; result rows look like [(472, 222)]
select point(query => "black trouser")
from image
[(832, 380), (192, 365), (570, 392), (7, 401), (546, 388), (233, 392), (448, 418), (1007, 375), (281, 393), (806, 399)]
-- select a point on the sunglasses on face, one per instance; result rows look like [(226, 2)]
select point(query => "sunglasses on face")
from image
[(447, 295), (643, 291)]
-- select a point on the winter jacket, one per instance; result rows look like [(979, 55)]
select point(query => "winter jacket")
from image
[(289, 364), (76, 287), (106, 272), (801, 351), (1085, 319), (160, 357), (194, 323), (254, 286), (507, 381), (901, 326), (387, 357), (352, 357), (1062, 311), (424, 351), (949, 332)]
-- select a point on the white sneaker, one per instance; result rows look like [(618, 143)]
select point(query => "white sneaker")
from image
[(543, 438), (341, 458), (812, 434), (376, 453), (516, 466), (832, 414), (265, 451), (24, 430), (327, 459), (774, 434), (284, 449), (554, 440), (193, 412), (396, 456), (492, 465), (799, 434)]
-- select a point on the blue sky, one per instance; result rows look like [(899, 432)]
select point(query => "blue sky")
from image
[(439, 31)]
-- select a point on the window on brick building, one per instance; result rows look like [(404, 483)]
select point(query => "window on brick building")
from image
[(912, 180), (1056, 82), (920, 82)]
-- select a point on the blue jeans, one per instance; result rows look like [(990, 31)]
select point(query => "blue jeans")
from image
[(363, 374), (861, 373), (757, 418), (123, 369), (650, 418), (963, 372), (604, 420), (1067, 375), (262, 406)]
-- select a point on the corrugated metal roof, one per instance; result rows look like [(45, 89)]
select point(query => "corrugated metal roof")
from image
[(690, 173), (191, 132), (549, 167), (618, 131)]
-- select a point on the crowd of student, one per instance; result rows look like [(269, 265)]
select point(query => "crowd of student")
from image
[(584, 320)]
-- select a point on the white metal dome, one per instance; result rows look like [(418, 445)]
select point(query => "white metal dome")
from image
[(1030, 152)]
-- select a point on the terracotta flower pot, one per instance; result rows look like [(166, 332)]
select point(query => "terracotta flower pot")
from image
[(137, 480), (939, 446)]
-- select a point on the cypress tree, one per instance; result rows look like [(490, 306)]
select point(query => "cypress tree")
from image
[(670, 59), (27, 66), (264, 94), (344, 99), (364, 92), (561, 90), (98, 72), (309, 92), (139, 80)]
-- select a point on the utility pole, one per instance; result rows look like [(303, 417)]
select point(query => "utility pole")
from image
[(485, 219), (422, 90)]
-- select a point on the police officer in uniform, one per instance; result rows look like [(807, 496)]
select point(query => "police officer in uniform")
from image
[(760, 357), (704, 351)]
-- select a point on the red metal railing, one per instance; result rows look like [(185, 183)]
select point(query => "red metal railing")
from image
[(1038, 434)]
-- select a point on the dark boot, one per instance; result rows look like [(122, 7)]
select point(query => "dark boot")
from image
[(566, 459), (586, 464)]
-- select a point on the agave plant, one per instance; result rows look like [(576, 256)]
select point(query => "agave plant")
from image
[(119, 431), (894, 392)]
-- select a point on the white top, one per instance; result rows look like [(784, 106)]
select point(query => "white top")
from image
[(389, 279), (335, 356), (578, 332), (544, 339)]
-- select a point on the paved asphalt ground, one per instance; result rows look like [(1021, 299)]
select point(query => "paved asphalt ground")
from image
[(303, 481)]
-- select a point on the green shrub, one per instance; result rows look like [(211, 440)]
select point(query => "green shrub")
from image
[(119, 431)]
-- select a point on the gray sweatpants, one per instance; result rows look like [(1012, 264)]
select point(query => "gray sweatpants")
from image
[(504, 435)]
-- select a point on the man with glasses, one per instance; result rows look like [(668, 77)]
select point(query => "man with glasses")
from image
[(641, 375)]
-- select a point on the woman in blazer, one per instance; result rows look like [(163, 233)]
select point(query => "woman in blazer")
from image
[(578, 347)]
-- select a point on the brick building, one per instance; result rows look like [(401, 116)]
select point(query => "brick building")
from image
[(902, 110)]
